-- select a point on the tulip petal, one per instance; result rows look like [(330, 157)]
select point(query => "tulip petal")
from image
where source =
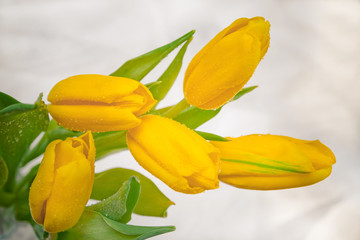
[(270, 151), (63, 184), (224, 71), (99, 103), (237, 24), (269, 162), (276, 182), (96, 118), (320, 154), (42, 185), (92, 88), (174, 154), (226, 63), (71, 191)]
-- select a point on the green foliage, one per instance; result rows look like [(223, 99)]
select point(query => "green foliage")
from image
[(94, 226), (152, 202), (4, 172), (194, 117), (52, 133), (120, 205), (243, 92), (20, 124), (137, 68), (6, 100), (109, 142), (211, 136), (39, 231), (168, 78), (105, 142)]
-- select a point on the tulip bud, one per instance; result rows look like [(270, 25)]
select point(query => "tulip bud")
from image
[(99, 103), (269, 162), (175, 154), (63, 184), (226, 63)]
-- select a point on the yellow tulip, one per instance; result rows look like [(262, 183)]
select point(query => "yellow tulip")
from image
[(99, 103), (269, 162), (63, 184), (175, 154), (226, 63)]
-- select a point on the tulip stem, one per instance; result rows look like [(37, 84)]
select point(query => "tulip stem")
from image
[(177, 108), (6, 199), (27, 178)]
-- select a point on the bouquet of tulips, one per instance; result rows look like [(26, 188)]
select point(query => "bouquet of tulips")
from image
[(96, 115)]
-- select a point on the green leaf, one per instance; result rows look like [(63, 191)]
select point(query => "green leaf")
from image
[(94, 226), (39, 231), (212, 137), (3, 172), (194, 117), (150, 85), (163, 110), (168, 78), (6, 198), (137, 68), (138, 232), (6, 100), (17, 107), (18, 129), (243, 92), (53, 132), (120, 206), (152, 202), (21, 204), (109, 142), (105, 142)]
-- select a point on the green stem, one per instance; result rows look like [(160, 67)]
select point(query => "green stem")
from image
[(108, 142), (27, 178), (6, 199), (176, 109)]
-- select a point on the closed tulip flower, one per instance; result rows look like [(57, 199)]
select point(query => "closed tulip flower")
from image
[(63, 184), (226, 63), (269, 162), (99, 103), (175, 154)]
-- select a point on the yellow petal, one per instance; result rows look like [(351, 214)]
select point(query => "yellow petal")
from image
[(71, 191), (320, 155), (270, 151), (175, 154), (96, 118), (226, 63), (92, 88), (237, 24), (99, 103), (42, 185), (267, 162), (276, 182), (63, 184)]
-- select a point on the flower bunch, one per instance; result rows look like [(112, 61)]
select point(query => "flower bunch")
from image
[(118, 112)]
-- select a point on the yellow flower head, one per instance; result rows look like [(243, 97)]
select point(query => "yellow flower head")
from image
[(63, 184), (99, 103), (175, 154), (226, 63), (269, 162)]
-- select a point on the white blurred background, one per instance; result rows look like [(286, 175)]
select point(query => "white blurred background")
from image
[(309, 89)]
